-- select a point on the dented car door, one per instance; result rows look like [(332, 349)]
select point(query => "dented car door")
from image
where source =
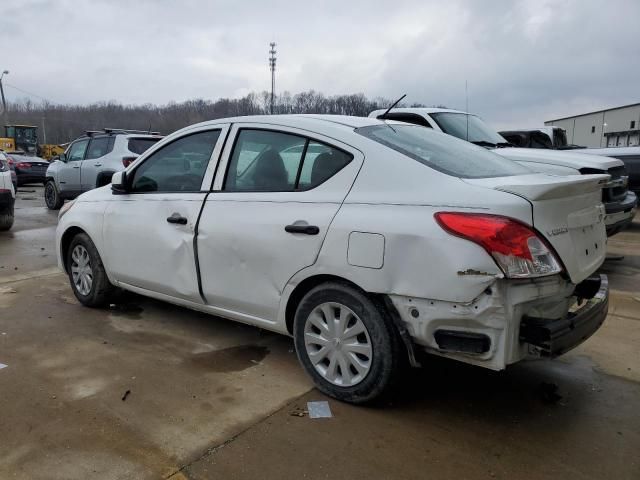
[(149, 231), (274, 197)]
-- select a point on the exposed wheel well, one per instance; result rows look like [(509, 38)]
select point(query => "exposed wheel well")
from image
[(379, 299), (67, 237), (303, 288)]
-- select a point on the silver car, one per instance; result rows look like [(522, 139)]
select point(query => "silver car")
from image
[(91, 160)]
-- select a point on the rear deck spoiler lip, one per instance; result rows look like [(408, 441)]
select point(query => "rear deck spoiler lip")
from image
[(554, 187)]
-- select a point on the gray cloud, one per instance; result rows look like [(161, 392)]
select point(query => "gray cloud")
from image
[(525, 61)]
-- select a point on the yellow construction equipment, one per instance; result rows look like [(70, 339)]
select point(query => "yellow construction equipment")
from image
[(25, 138)]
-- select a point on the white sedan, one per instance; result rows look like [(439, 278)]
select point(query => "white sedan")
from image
[(367, 241)]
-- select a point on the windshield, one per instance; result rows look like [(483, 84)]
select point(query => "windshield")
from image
[(458, 124), (442, 152)]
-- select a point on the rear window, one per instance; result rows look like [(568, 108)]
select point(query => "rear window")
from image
[(141, 145), (442, 152)]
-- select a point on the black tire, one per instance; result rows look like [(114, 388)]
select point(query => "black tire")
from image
[(101, 291), (6, 219), (52, 196), (387, 355)]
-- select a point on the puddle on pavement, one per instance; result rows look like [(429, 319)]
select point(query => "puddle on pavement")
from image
[(233, 359), (127, 310)]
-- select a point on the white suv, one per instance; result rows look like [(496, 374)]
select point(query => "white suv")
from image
[(366, 241), (7, 194), (91, 160)]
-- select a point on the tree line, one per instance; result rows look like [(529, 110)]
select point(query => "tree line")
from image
[(62, 123)]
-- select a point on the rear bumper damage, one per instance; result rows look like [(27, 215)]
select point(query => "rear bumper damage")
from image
[(509, 321), (550, 339)]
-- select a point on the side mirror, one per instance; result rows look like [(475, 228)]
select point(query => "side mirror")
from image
[(119, 183), (63, 157)]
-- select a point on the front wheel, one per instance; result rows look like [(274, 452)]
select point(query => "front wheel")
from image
[(52, 196), (87, 275), (346, 343)]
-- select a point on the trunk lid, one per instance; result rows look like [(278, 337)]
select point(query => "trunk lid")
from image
[(567, 211)]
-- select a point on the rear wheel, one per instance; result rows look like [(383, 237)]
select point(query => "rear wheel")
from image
[(87, 275), (52, 196), (346, 343), (6, 219)]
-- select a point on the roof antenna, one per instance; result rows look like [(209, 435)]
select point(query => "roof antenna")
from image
[(466, 106), (384, 115)]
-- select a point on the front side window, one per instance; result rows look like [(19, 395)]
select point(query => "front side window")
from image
[(443, 152), (177, 167), (98, 147), (469, 128), (76, 151), (268, 161)]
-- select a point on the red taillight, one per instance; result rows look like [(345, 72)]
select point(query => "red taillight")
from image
[(516, 247), (126, 161), (23, 165)]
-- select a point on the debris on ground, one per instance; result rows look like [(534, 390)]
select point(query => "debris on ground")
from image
[(2, 365), (319, 409), (7, 290), (298, 412), (126, 394)]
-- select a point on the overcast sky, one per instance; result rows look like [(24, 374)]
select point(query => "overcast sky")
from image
[(525, 61)]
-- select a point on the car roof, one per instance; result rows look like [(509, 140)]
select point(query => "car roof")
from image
[(315, 122)]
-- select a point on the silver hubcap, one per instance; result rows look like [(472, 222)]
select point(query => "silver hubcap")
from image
[(338, 344), (81, 270)]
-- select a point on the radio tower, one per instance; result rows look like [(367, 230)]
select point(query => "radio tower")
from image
[(272, 67)]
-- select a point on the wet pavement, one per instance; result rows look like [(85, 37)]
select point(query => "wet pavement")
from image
[(149, 390)]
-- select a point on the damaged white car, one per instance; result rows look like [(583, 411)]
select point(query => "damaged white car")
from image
[(365, 240)]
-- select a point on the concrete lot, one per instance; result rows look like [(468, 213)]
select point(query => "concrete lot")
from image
[(208, 398)]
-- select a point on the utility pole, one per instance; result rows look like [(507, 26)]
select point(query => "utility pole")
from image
[(272, 67), (5, 113), (44, 132)]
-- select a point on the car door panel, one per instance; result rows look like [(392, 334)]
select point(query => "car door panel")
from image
[(146, 251), (69, 176), (149, 236), (92, 164), (247, 256)]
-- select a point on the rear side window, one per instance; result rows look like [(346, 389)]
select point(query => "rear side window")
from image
[(441, 152), (268, 161), (98, 147), (141, 145)]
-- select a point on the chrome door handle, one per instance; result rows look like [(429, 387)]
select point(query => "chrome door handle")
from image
[(77, 166), (97, 164)]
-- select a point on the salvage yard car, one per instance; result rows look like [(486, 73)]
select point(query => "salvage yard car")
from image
[(91, 160), (7, 194), (365, 240), (620, 203)]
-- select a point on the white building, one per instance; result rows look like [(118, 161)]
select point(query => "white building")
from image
[(614, 127)]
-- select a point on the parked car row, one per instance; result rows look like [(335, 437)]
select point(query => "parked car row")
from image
[(367, 240)]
